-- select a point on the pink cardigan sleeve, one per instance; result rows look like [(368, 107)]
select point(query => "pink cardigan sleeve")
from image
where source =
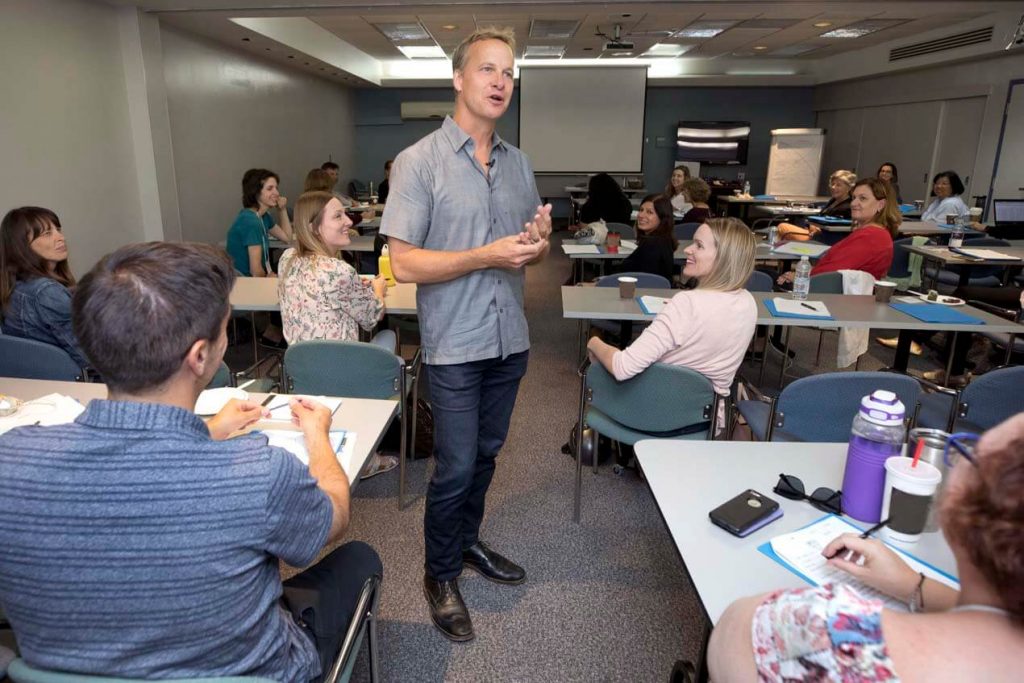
[(670, 330)]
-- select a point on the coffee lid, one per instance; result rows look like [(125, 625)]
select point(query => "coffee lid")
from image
[(925, 472), (882, 408)]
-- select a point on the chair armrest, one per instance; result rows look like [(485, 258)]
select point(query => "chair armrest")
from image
[(584, 366), (1007, 313), (413, 366), (936, 388)]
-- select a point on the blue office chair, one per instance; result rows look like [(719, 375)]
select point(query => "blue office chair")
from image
[(627, 232), (985, 402), (362, 627), (357, 370), (822, 407), (685, 231), (981, 276), (223, 378), (31, 359), (760, 281), (662, 402), (900, 267)]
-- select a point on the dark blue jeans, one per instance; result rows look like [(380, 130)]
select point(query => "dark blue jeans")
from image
[(472, 405)]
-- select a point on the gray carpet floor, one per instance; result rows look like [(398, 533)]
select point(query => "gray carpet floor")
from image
[(605, 600)]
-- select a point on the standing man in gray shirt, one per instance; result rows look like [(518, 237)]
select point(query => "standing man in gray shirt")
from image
[(463, 219)]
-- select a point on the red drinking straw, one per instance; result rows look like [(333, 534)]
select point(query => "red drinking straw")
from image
[(917, 452)]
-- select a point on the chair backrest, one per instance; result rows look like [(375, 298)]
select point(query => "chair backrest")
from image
[(822, 407), (827, 283), (663, 398), (685, 231), (627, 232), (760, 281), (31, 359), (20, 672), (900, 267), (342, 368), (993, 397), (645, 280), (222, 378)]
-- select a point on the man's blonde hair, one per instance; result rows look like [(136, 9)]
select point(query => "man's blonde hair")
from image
[(734, 261), (504, 34)]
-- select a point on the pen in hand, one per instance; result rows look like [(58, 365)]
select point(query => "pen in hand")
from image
[(866, 534)]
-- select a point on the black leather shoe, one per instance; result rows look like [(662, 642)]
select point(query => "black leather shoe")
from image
[(491, 565), (447, 610)]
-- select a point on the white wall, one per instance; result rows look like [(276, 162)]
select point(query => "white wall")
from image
[(986, 77), (229, 112), (65, 134)]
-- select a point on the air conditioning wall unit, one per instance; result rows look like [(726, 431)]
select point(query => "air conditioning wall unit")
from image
[(417, 111)]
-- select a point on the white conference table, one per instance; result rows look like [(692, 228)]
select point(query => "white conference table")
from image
[(848, 311), (367, 418), (907, 229), (690, 478), (945, 258), (260, 294), (725, 202)]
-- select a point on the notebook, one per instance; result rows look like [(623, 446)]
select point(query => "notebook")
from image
[(343, 443), (800, 553), (781, 307), (809, 249), (571, 249), (984, 254), (652, 305)]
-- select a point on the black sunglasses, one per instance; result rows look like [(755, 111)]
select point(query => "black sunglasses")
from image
[(822, 498)]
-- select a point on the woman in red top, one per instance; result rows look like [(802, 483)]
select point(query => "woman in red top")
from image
[(876, 220)]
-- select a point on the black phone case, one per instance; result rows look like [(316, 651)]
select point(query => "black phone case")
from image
[(740, 518)]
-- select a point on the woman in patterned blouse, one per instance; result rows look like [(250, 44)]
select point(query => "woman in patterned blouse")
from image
[(321, 296)]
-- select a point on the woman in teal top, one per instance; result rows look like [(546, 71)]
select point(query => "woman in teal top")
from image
[(249, 235)]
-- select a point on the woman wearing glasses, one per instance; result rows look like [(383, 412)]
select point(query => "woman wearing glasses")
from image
[(36, 281), (832, 633)]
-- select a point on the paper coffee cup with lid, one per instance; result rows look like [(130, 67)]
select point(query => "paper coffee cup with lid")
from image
[(909, 494)]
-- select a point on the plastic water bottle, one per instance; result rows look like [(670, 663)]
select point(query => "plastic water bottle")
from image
[(956, 236), (802, 281), (746, 188), (877, 435)]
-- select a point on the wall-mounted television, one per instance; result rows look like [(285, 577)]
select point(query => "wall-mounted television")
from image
[(713, 142)]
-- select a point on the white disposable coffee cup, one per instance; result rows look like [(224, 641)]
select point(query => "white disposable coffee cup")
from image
[(976, 212), (627, 287), (908, 497), (884, 290)]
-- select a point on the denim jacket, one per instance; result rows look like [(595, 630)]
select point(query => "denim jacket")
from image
[(40, 309)]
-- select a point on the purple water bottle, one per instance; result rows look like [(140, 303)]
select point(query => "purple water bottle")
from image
[(877, 434)]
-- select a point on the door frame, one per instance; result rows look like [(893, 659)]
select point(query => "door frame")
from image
[(999, 148)]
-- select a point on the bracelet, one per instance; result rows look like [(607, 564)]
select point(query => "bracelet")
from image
[(916, 602)]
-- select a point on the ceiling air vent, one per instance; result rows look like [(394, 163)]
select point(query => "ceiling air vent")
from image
[(978, 37)]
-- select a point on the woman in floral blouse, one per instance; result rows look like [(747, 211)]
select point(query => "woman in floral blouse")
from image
[(321, 296)]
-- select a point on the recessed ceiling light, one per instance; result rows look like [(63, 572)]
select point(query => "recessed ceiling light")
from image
[(760, 48), (422, 51), (822, 24), (553, 29), (450, 27), (403, 31), (544, 51), (704, 29), (666, 50), (861, 28)]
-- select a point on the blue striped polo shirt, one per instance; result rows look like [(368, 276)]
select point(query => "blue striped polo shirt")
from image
[(134, 545)]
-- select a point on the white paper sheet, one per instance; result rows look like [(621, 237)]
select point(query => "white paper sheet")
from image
[(988, 254), (570, 249), (627, 245), (796, 307), (280, 407), (343, 443), (801, 249), (52, 409), (802, 550)]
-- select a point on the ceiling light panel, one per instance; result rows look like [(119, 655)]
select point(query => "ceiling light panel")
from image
[(705, 29), (422, 51), (403, 32), (862, 28), (544, 51), (553, 28), (666, 50)]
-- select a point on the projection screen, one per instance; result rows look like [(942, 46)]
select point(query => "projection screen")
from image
[(575, 120)]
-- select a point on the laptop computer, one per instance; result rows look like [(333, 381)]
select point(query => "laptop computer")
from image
[(1008, 215)]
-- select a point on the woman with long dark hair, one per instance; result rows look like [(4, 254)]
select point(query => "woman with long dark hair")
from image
[(655, 243), (36, 281)]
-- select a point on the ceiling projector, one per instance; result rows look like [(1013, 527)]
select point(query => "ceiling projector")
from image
[(618, 45)]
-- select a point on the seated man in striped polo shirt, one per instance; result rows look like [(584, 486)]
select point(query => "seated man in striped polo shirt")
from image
[(138, 541)]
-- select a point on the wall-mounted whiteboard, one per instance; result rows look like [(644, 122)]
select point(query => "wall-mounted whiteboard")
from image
[(583, 119), (794, 162)]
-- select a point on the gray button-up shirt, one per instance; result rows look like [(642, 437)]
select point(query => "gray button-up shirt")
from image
[(441, 199)]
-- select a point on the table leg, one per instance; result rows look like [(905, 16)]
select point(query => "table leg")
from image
[(965, 276), (902, 358), (949, 359), (785, 357), (255, 340), (764, 355)]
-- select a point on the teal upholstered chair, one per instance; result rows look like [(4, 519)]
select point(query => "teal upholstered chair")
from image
[(357, 370), (31, 359), (664, 401), (363, 626)]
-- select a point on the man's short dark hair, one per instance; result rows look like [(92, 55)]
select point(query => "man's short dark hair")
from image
[(252, 185), (140, 309), (329, 166)]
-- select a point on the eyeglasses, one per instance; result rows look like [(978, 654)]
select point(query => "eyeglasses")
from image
[(963, 444), (822, 498)]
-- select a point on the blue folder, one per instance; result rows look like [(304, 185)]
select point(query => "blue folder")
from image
[(906, 208), (770, 305), (643, 307), (768, 197), (766, 549), (830, 220), (936, 313)]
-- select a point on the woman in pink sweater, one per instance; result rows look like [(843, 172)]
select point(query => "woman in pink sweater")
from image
[(706, 329)]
